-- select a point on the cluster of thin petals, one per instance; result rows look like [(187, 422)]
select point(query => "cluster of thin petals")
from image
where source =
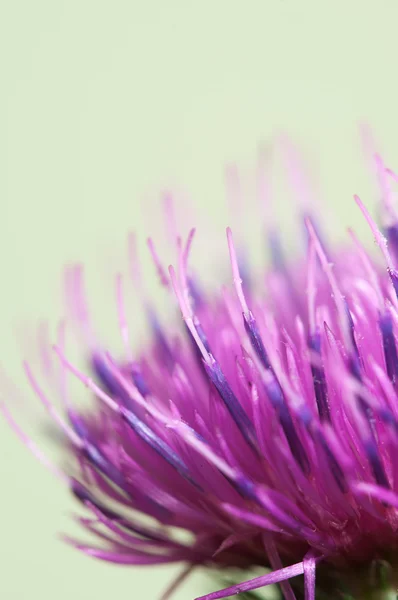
[(264, 422)]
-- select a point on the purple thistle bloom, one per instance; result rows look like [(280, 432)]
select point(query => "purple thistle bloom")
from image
[(266, 427)]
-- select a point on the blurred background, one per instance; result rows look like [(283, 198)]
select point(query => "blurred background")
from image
[(104, 103)]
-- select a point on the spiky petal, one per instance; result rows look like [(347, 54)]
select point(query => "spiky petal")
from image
[(266, 426)]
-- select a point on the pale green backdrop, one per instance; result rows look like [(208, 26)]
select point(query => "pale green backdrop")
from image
[(102, 102)]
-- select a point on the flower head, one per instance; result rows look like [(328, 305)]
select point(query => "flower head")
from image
[(264, 424)]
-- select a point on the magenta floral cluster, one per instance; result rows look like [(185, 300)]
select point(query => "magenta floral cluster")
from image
[(264, 424)]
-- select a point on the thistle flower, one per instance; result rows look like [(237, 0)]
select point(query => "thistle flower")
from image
[(265, 425)]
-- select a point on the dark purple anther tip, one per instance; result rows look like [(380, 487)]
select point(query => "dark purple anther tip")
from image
[(277, 399), (139, 381), (196, 350), (389, 346), (305, 415), (78, 424), (352, 334), (105, 466), (246, 487), (161, 340), (83, 494), (140, 428), (392, 236), (255, 338), (375, 463), (334, 466), (104, 375), (275, 394), (394, 280), (94, 455), (108, 380), (354, 366), (319, 379), (202, 335), (195, 293), (233, 405), (158, 445)]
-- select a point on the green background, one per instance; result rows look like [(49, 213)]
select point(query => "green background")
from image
[(104, 102)]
